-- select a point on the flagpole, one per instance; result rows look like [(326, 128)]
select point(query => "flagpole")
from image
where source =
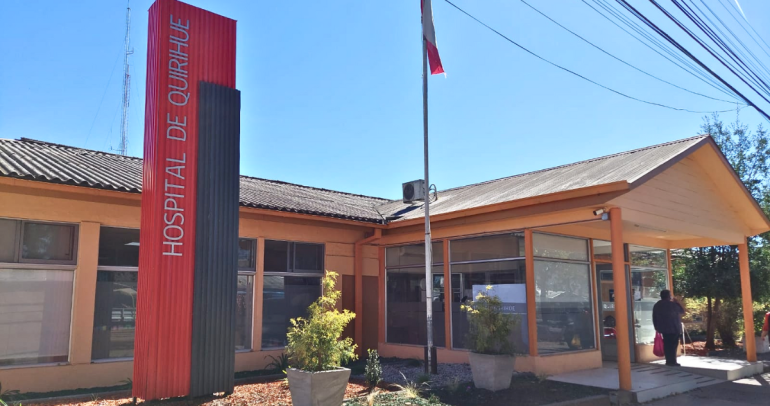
[(428, 253)]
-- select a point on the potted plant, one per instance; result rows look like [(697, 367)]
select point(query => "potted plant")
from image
[(492, 352), (316, 350)]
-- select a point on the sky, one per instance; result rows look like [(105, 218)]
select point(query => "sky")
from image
[(332, 90)]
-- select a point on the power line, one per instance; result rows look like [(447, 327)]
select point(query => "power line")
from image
[(101, 101), (747, 23), (693, 70), (668, 38), (574, 73), (620, 60), (690, 14)]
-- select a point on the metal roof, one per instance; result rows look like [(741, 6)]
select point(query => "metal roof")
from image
[(43, 161), (55, 163), (627, 166)]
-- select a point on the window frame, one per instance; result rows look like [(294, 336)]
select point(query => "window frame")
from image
[(252, 271), (115, 268), (479, 261), (19, 243), (590, 262), (290, 260)]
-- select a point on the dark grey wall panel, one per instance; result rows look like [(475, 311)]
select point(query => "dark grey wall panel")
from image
[(216, 241)]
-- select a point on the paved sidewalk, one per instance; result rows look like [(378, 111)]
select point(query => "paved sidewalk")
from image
[(748, 391)]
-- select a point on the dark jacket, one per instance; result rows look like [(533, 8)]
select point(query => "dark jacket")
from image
[(667, 317)]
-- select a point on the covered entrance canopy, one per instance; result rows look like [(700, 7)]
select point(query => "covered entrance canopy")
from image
[(636, 204)]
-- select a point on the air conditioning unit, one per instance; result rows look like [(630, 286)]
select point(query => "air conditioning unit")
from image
[(413, 191)]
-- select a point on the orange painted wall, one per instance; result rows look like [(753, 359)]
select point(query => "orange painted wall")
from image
[(92, 209)]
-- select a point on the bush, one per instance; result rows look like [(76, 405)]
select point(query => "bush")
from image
[(373, 370), (314, 343), (278, 364), (489, 328), (760, 310)]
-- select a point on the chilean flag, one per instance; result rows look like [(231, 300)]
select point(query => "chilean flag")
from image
[(429, 33)]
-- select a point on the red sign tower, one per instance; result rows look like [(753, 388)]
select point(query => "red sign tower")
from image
[(189, 229)]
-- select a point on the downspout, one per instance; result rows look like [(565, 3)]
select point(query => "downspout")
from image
[(358, 273)]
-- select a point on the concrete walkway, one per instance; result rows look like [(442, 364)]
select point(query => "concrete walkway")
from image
[(649, 381), (747, 391)]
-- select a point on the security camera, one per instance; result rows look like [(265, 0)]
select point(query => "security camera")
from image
[(599, 212)]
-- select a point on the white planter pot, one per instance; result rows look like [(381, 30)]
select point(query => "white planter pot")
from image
[(492, 372), (325, 388)]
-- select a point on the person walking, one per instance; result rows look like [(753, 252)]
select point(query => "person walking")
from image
[(766, 327), (667, 320)]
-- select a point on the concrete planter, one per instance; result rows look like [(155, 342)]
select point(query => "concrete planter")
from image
[(326, 388), (762, 345), (492, 372)]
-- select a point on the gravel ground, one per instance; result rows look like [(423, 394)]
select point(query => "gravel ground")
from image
[(447, 373)]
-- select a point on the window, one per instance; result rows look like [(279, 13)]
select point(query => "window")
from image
[(405, 295), (649, 276), (563, 298), (116, 291), (244, 307), (35, 300), (293, 272), (496, 261)]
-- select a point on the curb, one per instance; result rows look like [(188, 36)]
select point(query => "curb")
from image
[(599, 400)]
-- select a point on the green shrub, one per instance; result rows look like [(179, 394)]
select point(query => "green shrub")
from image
[(489, 328), (373, 371), (314, 343), (759, 317)]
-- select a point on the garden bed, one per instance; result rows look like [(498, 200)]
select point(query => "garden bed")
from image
[(274, 393)]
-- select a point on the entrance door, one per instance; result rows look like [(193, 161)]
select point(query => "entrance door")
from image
[(607, 317)]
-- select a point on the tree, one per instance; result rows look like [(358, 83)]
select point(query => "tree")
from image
[(713, 273)]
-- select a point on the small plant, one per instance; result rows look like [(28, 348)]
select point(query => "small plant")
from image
[(423, 379), (314, 343), (454, 385), (371, 398), (542, 378), (433, 398), (412, 390), (278, 364), (373, 370), (489, 328)]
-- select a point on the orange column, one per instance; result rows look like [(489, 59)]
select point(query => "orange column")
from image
[(529, 262), (358, 289), (621, 300), (447, 298), (381, 299), (748, 305)]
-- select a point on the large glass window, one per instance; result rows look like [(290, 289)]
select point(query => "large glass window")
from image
[(292, 282), (114, 315), (649, 276), (563, 298), (35, 303), (405, 293), (244, 307), (116, 287), (497, 261), (35, 307)]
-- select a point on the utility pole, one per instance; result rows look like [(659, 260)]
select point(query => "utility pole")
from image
[(123, 148)]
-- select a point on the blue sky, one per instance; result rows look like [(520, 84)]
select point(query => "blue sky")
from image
[(331, 90)]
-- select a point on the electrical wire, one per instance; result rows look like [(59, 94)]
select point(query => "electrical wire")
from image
[(747, 23), (85, 144), (574, 73), (668, 38), (618, 59), (693, 70), (741, 65)]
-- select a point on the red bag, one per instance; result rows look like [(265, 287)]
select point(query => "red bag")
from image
[(657, 349)]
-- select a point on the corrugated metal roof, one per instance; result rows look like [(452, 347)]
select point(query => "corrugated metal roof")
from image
[(626, 166), (48, 162), (42, 161)]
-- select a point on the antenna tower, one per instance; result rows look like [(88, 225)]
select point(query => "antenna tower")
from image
[(123, 148)]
